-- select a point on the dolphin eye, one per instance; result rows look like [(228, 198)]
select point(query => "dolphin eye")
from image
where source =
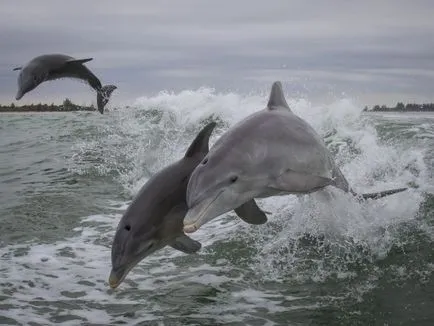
[(234, 179), (205, 161), (127, 227)]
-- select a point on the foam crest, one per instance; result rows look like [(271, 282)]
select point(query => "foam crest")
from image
[(190, 107)]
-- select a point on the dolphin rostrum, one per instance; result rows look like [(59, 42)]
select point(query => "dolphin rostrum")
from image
[(269, 153), (55, 66)]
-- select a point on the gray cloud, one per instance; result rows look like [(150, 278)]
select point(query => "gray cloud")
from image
[(376, 51)]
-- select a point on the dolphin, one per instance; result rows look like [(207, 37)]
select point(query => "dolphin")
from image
[(272, 152), (154, 218), (55, 66)]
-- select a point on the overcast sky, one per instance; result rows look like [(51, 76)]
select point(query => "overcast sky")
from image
[(373, 51)]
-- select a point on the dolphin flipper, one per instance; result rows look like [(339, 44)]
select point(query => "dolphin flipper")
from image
[(380, 194), (186, 244), (250, 212), (80, 61)]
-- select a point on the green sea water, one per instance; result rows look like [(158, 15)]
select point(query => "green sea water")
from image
[(66, 178)]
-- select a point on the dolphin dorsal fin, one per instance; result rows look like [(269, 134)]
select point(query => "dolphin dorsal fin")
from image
[(80, 61), (200, 143), (277, 98)]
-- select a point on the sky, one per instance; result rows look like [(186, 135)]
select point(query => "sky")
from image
[(373, 51)]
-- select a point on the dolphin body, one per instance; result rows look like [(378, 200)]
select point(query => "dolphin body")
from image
[(55, 66), (269, 153), (154, 218)]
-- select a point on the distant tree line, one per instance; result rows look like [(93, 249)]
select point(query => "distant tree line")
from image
[(427, 107), (66, 106)]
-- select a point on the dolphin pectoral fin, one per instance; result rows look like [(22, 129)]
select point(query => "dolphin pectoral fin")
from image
[(80, 61), (380, 194), (186, 244), (250, 212), (17, 68)]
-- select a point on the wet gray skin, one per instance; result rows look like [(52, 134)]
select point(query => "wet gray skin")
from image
[(55, 66), (271, 152), (154, 218)]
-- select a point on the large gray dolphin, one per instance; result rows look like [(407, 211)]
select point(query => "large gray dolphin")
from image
[(55, 66), (271, 152), (154, 218)]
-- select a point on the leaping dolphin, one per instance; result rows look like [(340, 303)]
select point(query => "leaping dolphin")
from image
[(55, 66), (154, 218), (269, 153)]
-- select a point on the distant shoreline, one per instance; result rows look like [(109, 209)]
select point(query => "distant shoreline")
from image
[(58, 109), (400, 107), (66, 106)]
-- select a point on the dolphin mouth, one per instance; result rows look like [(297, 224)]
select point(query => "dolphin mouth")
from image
[(193, 221), (114, 281), (191, 228)]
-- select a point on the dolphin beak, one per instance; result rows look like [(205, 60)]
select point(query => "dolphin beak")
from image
[(194, 218), (191, 227), (200, 214), (115, 280), (117, 275)]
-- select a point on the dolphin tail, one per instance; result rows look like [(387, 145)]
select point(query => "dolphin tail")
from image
[(103, 96), (380, 194)]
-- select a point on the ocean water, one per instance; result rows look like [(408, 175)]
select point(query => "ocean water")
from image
[(66, 179)]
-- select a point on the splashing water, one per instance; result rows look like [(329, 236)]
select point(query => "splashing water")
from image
[(316, 252)]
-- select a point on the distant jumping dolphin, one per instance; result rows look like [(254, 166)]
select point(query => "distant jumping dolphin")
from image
[(271, 152), (154, 218), (55, 66)]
